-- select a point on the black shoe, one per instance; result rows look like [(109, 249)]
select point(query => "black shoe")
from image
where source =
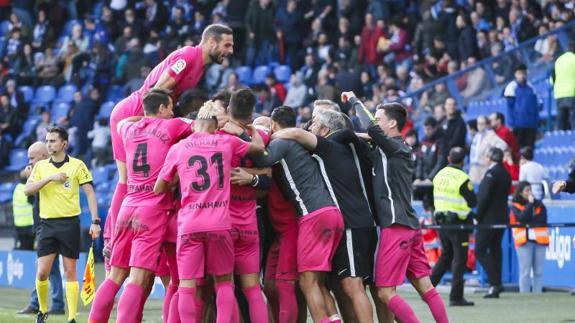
[(72, 321), (494, 292), (56, 312), (28, 310), (41, 318), (461, 302)]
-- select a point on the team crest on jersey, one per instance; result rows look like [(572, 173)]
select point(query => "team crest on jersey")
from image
[(179, 66), (67, 185)]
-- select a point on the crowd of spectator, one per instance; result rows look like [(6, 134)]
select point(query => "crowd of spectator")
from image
[(380, 49)]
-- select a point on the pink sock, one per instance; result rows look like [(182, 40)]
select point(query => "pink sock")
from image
[(435, 303), (131, 299), (186, 304), (103, 302), (172, 289), (227, 308), (199, 309), (287, 302), (399, 307), (257, 304), (117, 198), (174, 316)]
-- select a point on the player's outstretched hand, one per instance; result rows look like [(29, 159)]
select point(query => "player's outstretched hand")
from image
[(60, 177), (240, 177), (345, 96), (558, 187), (95, 231)]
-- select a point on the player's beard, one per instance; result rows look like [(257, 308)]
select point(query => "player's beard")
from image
[(216, 57)]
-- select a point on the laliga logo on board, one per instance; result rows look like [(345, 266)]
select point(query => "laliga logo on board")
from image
[(15, 268), (559, 248)]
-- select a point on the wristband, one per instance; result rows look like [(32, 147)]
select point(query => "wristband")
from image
[(255, 181), (96, 221)]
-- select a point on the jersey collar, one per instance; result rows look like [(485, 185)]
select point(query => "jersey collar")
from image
[(60, 164)]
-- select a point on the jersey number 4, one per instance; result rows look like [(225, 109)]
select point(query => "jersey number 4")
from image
[(202, 172), (140, 163)]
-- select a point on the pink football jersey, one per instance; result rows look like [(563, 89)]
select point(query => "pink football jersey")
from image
[(147, 143), (244, 198), (185, 65), (203, 163)]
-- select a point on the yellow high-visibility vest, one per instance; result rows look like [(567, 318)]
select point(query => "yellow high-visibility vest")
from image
[(21, 209), (446, 195), (564, 85)]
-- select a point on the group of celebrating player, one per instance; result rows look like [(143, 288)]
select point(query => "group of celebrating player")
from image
[(185, 206)]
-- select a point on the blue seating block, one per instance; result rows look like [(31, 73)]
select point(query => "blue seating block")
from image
[(244, 74), (28, 92), (18, 159), (45, 93), (66, 93), (260, 74), (282, 73), (106, 109)]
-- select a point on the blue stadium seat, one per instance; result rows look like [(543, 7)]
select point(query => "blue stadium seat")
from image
[(45, 93), (244, 74), (27, 91), (27, 130), (66, 93), (283, 73), (115, 93), (260, 74), (38, 57), (6, 191), (59, 110), (106, 109), (100, 175), (4, 25), (18, 159)]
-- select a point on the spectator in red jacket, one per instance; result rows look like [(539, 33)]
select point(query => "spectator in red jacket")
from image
[(497, 120), (369, 37), (277, 88)]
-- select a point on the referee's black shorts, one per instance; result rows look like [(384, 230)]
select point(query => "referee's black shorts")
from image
[(354, 256), (61, 236)]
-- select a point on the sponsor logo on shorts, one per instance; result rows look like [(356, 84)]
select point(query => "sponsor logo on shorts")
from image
[(179, 66)]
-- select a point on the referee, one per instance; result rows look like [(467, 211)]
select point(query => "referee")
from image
[(58, 180)]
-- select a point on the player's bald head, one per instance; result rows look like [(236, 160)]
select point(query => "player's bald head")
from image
[(37, 152), (263, 122)]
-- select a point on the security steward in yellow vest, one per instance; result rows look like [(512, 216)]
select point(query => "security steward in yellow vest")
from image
[(563, 90), (22, 209), (453, 199)]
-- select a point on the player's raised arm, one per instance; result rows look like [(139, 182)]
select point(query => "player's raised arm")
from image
[(365, 117)]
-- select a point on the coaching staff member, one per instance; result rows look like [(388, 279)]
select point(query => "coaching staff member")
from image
[(453, 198), (492, 209), (58, 181)]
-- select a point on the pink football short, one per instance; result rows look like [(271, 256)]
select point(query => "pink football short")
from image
[(400, 253), (139, 236)]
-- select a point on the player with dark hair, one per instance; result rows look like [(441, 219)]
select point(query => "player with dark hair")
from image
[(400, 251), (178, 72), (143, 217), (205, 244), (243, 200)]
